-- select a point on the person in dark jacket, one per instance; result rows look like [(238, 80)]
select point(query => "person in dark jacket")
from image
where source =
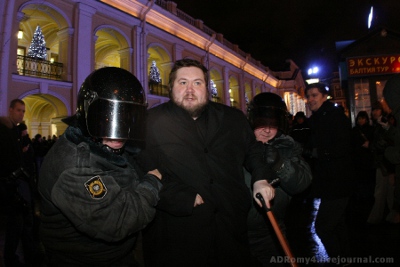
[(268, 117), (300, 130), (363, 160), (94, 198), (391, 92), (333, 173), (40, 146), (384, 136), (15, 191), (200, 147), (28, 154)]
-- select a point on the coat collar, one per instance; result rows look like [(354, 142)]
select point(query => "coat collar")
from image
[(325, 107), (75, 136), (215, 116)]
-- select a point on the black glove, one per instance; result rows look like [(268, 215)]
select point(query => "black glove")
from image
[(272, 157), (21, 174)]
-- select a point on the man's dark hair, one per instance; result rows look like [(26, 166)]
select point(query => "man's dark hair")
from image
[(322, 88), (186, 62), (15, 101)]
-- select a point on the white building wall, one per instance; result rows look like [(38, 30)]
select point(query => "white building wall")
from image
[(77, 44)]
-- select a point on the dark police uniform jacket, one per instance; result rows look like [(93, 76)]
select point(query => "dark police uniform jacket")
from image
[(93, 203)]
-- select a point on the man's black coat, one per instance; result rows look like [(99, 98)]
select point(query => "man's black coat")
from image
[(205, 157), (333, 173)]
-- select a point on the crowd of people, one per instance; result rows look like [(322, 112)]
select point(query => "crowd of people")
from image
[(186, 178)]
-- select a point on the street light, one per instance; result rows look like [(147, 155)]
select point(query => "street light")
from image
[(313, 71), (20, 34)]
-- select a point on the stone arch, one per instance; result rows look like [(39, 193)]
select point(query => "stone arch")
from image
[(217, 78), (248, 93), (158, 53), (58, 15), (43, 113), (49, 18), (234, 92), (162, 57), (52, 21), (111, 48)]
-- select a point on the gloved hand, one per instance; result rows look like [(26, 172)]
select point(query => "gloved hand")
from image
[(272, 157)]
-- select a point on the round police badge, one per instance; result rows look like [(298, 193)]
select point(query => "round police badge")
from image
[(96, 188)]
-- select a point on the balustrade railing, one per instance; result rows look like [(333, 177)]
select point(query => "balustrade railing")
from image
[(158, 89), (30, 66)]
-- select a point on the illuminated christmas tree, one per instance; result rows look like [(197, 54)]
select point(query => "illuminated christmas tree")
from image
[(154, 75), (214, 90), (37, 49)]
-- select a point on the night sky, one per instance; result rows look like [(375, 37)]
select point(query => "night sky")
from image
[(302, 30)]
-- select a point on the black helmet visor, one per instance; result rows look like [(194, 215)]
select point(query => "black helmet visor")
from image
[(268, 116), (116, 119)]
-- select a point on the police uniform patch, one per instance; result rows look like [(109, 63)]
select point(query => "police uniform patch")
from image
[(96, 188)]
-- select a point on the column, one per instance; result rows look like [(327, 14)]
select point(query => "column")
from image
[(85, 46), (65, 52), (242, 90), (177, 52), (226, 97), (5, 37), (125, 55), (140, 51), (253, 88)]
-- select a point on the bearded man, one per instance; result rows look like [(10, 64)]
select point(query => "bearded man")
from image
[(200, 148)]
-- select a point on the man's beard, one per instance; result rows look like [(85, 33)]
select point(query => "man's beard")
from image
[(194, 111)]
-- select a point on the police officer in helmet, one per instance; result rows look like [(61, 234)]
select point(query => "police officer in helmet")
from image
[(268, 117), (94, 198)]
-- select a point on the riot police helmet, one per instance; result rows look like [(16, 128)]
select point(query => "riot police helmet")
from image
[(268, 110), (111, 104)]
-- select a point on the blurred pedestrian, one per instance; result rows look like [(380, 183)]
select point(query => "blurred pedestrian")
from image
[(363, 158), (15, 189), (28, 154), (385, 170), (330, 149), (40, 147), (300, 131), (391, 92)]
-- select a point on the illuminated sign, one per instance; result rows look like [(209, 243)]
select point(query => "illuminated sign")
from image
[(373, 65)]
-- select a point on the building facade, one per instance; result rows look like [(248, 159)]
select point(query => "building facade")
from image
[(365, 66), (143, 37)]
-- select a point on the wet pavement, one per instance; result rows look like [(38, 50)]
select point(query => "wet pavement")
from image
[(369, 243)]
